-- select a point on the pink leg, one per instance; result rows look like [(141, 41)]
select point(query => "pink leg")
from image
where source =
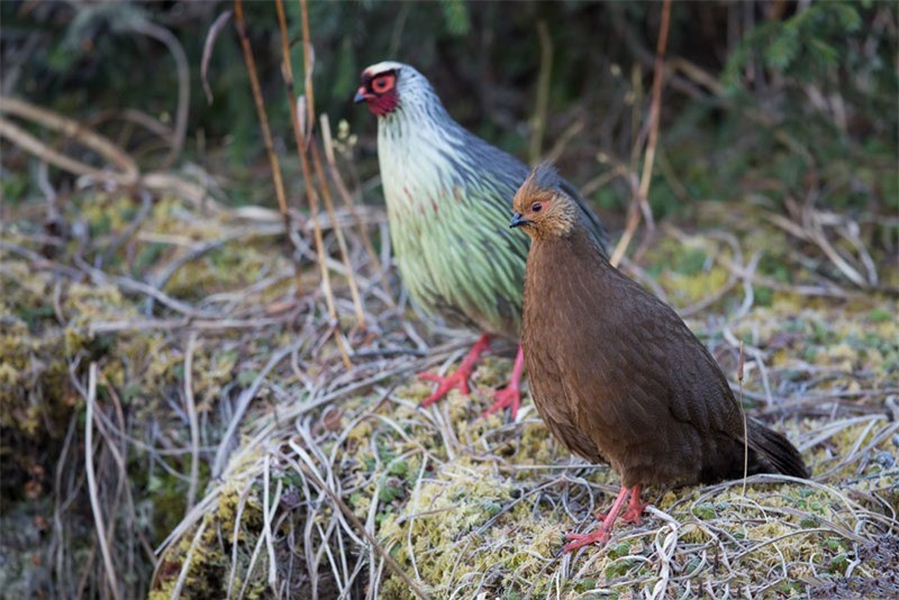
[(459, 379), (601, 535), (635, 508), (510, 396)]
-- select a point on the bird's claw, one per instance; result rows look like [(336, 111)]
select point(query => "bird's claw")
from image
[(509, 397), (634, 513), (459, 379), (579, 540)]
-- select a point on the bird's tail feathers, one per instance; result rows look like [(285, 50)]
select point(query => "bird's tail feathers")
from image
[(775, 452)]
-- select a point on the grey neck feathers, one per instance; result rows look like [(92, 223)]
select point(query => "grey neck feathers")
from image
[(420, 131)]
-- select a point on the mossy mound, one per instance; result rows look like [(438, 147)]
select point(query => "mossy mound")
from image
[(469, 506), (112, 288), (229, 433), (465, 507)]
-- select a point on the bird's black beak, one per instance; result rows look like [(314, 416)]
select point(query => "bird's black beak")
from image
[(361, 95), (518, 220)]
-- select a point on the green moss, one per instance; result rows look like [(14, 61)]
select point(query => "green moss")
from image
[(457, 500), (879, 315)]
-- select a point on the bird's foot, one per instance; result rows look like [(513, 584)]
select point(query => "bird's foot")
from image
[(602, 534), (509, 397), (634, 512), (579, 540), (459, 379), (633, 515)]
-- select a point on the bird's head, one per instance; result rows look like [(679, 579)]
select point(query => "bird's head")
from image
[(386, 86), (542, 208)]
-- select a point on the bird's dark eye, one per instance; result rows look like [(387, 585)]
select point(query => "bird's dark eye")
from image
[(536, 207)]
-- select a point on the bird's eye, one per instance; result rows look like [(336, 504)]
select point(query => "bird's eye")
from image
[(536, 207), (382, 84)]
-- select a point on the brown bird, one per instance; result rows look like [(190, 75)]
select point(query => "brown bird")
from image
[(617, 375)]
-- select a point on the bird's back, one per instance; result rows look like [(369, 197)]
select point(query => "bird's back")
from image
[(619, 366)]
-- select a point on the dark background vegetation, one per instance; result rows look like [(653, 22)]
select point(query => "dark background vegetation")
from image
[(798, 100), (824, 75)]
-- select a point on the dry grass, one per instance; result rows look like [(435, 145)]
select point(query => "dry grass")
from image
[(211, 377)]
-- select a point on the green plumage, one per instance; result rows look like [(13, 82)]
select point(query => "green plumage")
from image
[(449, 197), (460, 261)]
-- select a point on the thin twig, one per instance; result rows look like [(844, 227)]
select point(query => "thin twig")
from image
[(308, 61), (543, 82), (74, 130), (745, 420), (338, 233), (182, 68), (327, 141), (211, 36), (185, 567), (649, 158), (263, 125), (108, 565), (29, 143), (302, 140), (127, 175), (268, 511), (191, 409)]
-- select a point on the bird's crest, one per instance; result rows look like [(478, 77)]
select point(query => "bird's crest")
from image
[(545, 176), (542, 178)]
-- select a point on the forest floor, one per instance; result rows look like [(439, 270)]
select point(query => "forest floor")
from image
[(189, 398)]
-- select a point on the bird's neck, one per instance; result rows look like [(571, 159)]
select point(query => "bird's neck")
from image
[(415, 126), (419, 150), (573, 250)]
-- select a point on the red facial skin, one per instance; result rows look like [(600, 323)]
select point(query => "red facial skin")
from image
[(379, 93)]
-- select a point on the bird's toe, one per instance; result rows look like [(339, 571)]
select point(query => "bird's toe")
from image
[(579, 540), (459, 380), (509, 397)]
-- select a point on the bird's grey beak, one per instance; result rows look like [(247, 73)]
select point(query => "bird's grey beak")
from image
[(518, 220), (360, 96)]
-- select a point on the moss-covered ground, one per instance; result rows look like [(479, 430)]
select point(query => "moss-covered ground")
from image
[(233, 453)]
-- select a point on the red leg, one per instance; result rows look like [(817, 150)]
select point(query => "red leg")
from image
[(634, 512), (635, 508), (601, 535), (509, 396), (459, 379)]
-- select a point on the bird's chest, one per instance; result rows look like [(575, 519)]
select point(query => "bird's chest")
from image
[(430, 227), (547, 337), (426, 213), (448, 225), (419, 181), (559, 338)]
